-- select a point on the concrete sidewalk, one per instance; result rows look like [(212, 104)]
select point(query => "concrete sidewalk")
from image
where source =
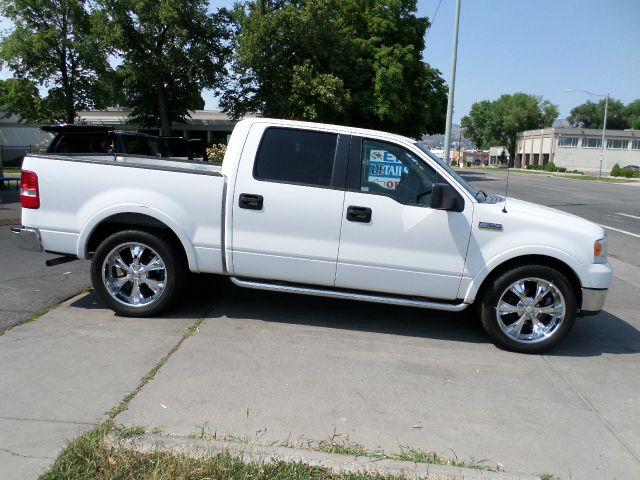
[(268, 367), (62, 373)]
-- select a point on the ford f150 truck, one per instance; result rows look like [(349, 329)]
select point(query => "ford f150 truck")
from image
[(320, 210)]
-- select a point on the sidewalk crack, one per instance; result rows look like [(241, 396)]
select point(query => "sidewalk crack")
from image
[(15, 454)]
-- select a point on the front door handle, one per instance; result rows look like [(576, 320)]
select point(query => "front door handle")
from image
[(250, 201), (358, 214)]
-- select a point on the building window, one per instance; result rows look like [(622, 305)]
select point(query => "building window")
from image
[(568, 141), (617, 143), (635, 145), (591, 142)]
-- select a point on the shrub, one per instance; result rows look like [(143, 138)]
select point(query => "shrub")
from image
[(550, 167), (216, 152), (561, 169), (454, 163), (615, 171), (627, 173)]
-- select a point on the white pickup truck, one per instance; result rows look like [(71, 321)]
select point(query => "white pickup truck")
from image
[(320, 210)]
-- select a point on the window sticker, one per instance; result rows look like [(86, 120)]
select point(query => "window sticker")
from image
[(385, 169)]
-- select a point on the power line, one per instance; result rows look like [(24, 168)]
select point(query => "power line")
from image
[(433, 19)]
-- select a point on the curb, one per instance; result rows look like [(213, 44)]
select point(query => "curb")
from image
[(257, 453)]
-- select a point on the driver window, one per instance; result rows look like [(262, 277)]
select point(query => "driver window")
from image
[(391, 170)]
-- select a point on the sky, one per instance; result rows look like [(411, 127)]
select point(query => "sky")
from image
[(541, 47)]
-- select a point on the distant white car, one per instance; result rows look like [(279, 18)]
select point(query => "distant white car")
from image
[(321, 210)]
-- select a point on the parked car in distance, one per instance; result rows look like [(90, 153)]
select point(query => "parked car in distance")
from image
[(635, 168)]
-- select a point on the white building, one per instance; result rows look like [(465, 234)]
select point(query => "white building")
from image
[(578, 148)]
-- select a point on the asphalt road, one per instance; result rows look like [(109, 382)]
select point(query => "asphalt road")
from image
[(26, 283), (614, 206)]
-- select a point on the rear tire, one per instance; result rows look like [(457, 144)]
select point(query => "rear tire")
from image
[(528, 309), (137, 273)]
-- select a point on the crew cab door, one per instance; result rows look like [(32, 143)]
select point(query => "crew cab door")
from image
[(392, 241), (287, 204)]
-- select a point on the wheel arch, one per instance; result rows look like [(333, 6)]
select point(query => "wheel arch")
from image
[(102, 226), (523, 260)]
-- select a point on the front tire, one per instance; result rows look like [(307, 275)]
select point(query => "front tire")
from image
[(528, 309), (137, 273)]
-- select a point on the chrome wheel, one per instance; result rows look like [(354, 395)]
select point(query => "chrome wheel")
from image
[(530, 310), (134, 274)]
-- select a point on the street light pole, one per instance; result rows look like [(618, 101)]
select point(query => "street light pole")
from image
[(452, 86), (604, 122), (604, 129)]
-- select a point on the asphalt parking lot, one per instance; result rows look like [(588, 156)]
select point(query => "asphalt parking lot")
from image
[(266, 367)]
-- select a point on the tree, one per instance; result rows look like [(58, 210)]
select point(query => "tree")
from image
[(170, 51), (499, 121), (591, 115), (632, 114), (355, 62), (53, 44), (20, 96)]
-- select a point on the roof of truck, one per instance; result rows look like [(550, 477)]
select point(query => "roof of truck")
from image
[(326, 126)]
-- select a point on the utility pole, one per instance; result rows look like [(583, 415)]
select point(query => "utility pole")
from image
[(452, 85)]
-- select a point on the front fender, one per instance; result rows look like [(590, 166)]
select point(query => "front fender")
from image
[(469, 291)]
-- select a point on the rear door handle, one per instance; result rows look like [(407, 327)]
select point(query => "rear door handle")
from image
[(358, 214), (250, 201)]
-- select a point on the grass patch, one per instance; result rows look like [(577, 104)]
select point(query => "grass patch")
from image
[(91, 457), (7, 170)]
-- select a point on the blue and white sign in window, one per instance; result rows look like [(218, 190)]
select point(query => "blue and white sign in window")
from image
[(385, 169)]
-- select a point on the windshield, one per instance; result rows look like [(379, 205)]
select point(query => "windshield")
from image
[(480, 196)]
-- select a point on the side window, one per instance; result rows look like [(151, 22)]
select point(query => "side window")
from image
[(394, 171), (296, 156), (139, 145)]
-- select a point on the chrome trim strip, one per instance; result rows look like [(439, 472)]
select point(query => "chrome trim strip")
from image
[(26, 238), (223, 223), (407, 302), (593, 299)]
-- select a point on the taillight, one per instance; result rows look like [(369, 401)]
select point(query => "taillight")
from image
[(29, 193)]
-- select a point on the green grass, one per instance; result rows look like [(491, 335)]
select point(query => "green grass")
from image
[(92, 457), (7, 170)]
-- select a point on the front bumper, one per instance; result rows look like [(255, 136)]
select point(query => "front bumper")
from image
[(592, 300), (26, 238)]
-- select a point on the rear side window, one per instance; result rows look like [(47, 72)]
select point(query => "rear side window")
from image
[(81, 143), (139, 145), (296, 156)]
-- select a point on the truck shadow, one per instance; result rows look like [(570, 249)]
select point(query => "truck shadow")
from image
[(591, 336), (216, 297)]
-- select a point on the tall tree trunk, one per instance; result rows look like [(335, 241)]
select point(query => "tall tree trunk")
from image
[(165, 121)]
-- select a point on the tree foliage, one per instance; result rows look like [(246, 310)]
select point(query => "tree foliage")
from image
[(497, 122), (632, 115), (591, 115), (21, 97), (53, 44), (170, 51), (355, 62)]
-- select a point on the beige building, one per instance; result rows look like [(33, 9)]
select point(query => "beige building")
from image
[(578, 148)]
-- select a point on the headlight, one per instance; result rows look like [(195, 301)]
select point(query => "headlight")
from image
[(600, 251)]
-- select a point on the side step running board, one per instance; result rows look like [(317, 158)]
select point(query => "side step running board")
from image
[(364, 297)]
